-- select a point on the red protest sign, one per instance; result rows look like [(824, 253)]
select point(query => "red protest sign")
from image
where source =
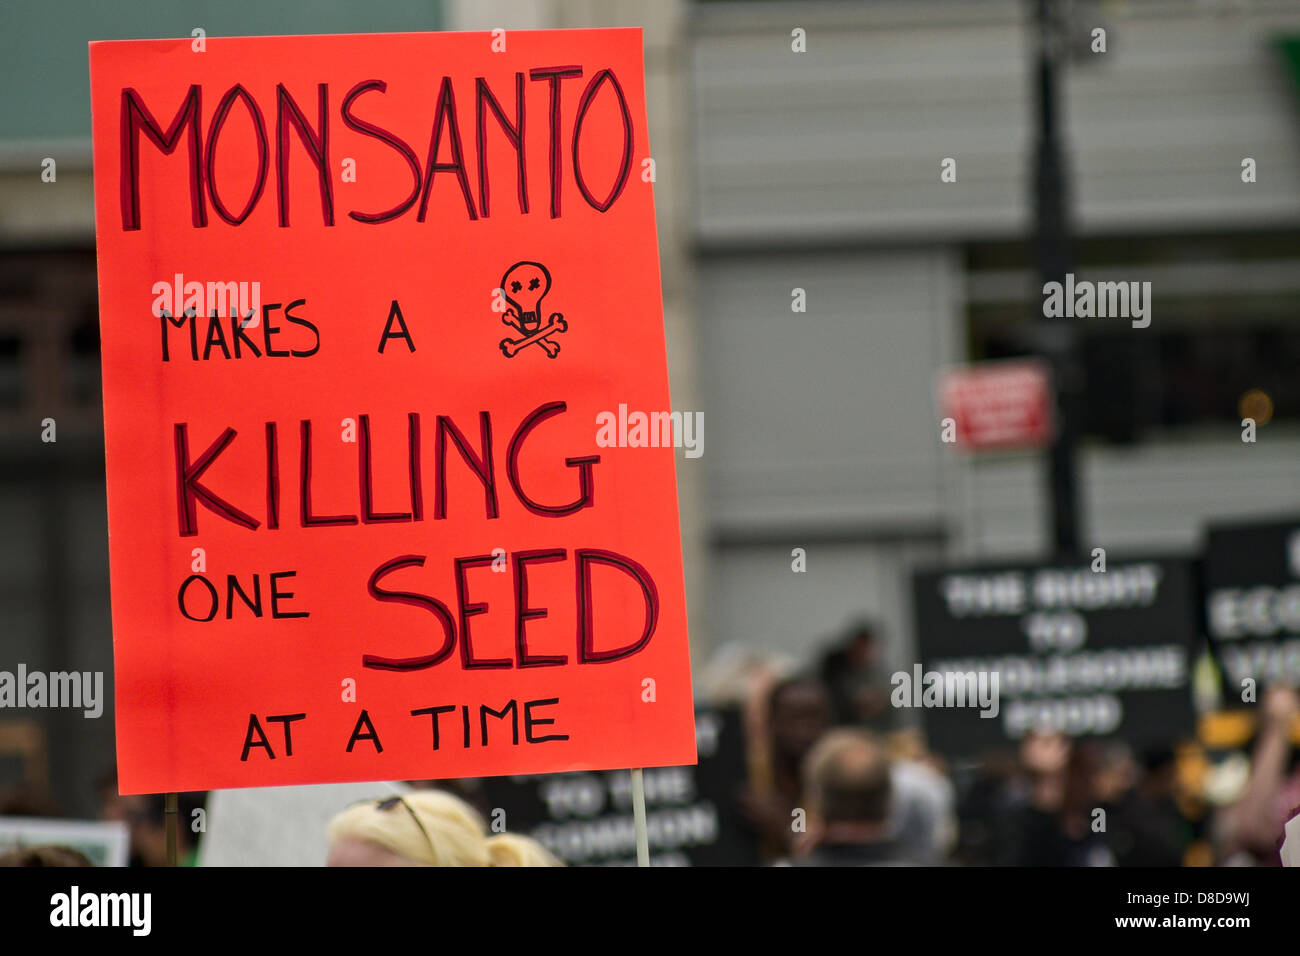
[(363, 299), (998, 405)]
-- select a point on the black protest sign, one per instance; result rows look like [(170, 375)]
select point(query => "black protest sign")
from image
[(1252, 604), (1011, 649), (586, 819)]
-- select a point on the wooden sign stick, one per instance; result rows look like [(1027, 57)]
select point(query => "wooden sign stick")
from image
[(171, 819)]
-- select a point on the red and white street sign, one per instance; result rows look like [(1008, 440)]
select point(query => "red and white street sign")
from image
[(998, 405)]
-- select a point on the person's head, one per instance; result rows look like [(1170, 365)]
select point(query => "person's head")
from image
[(1116, 772), (847, 782), (44, 856), (1159, 773), (862, 646), (426, 828), (143, 814), (799, 712)]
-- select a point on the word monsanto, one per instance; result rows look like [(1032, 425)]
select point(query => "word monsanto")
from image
[(359, 102)]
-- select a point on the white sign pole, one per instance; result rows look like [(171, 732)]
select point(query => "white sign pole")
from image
[(638, 817)]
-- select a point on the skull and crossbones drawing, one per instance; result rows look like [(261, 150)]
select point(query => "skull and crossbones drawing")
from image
[(524, 285)]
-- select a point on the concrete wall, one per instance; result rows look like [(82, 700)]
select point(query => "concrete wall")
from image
[(845, 139)]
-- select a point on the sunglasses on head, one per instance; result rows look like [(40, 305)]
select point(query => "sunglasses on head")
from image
[(384, 804)]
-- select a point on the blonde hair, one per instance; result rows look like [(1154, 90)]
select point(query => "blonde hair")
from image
[(509, 849), (456, 834)]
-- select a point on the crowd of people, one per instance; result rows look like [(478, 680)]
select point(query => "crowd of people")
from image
[(838, 779)]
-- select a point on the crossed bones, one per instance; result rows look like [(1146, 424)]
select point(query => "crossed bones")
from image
[(539, 337)]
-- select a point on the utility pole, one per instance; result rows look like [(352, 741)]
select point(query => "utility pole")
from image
[(1057, 338)]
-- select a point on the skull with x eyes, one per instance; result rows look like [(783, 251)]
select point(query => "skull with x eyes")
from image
[(524, 285)]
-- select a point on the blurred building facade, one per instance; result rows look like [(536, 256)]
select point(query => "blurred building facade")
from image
[(820, 171)]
